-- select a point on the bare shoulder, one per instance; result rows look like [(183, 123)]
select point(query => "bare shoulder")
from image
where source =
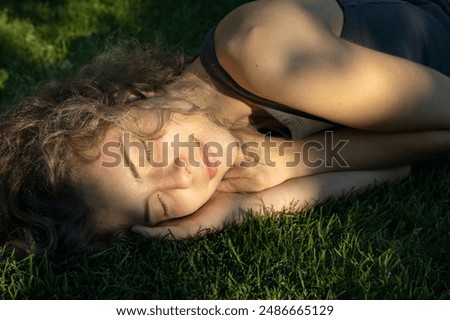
[(258, 31), (265, 13)]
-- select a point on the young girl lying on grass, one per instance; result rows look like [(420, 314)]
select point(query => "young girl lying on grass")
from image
[(289, 103)]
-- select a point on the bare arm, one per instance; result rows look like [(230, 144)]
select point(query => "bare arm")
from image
[(368, 150), (339, 150), (226, 208)]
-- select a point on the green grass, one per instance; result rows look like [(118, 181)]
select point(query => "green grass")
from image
[(391, 243)]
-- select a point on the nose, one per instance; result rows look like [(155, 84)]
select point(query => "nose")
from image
[(182, 175)]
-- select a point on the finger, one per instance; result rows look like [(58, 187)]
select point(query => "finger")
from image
[(170, 233), (236, 185), (227, 185), (239, 172)]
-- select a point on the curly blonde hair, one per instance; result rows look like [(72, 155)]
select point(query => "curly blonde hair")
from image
[(46, 137)]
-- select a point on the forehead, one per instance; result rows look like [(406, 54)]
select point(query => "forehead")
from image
[(109, 188)]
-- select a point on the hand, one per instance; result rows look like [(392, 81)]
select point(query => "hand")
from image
[(252, 179), (221, 210), (274, 161)]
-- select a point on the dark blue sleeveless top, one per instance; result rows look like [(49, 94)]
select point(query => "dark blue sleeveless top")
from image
[(417, 30)]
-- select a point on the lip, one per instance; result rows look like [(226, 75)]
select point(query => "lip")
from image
[(211, 170)]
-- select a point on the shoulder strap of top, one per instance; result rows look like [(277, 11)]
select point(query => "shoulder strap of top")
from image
[(209, 61)]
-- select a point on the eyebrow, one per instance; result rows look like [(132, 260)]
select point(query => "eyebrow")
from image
[(128, 163)]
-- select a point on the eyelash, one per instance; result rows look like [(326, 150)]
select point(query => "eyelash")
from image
[(148, 152), (164, 206)]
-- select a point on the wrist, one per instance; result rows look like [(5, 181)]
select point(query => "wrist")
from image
[(289, 160)]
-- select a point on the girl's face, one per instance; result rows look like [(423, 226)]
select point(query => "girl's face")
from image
[(134, 183)]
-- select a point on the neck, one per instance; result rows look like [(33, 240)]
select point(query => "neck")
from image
[(237, 111)]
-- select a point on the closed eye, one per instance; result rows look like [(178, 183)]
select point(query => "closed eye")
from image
[(149, 152), (164, 207)]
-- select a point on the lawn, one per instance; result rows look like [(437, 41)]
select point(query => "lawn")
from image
[(391, 243)]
